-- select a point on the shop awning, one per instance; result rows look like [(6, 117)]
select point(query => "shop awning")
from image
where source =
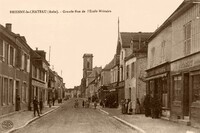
[(156, 76)]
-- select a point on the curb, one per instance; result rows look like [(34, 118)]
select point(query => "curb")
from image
[(104, 111), (130, 125), (30, 121), (125, 122)]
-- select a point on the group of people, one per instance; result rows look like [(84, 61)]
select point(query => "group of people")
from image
[(37, 106), (152, 106), (126, 106), (86, 104)]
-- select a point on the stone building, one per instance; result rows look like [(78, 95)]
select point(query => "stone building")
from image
[(14, 71), (39, 75), (174, 63), (135, 66), (87, 70)]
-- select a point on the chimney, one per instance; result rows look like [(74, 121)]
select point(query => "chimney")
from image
[(36, 48), (9, 26)]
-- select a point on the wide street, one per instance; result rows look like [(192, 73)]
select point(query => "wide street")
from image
[(68, 119)]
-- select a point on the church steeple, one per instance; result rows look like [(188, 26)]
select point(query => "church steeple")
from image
[(87, 64)]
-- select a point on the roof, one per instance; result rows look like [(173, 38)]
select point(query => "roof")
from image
[(11, 35), (184, 6), (87, 55), (95, 72), (127, 37), (110, 65)]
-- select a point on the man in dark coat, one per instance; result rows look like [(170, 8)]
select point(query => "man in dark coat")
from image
[(35, 106), (147, 105), (157, 104), (41, 105)]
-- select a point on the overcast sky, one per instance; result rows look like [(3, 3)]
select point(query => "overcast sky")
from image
[(70, 35)]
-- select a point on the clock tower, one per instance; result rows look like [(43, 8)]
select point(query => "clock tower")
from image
[(87, 64)]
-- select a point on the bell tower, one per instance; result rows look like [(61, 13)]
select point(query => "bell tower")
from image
[(87, 64)]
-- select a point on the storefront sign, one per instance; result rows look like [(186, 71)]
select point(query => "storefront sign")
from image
[(39, 84), (158, 70), (186, 63)]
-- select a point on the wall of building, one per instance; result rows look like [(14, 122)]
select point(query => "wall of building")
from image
[(14, 76), (141, 65), (105, 77), (130, 83), (161, 47), (178, 32)]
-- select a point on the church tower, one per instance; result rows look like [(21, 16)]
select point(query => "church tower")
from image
[(87, 64)]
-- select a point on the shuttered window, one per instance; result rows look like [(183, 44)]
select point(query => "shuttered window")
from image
[(187, 35), (18, 58), (1, 50)]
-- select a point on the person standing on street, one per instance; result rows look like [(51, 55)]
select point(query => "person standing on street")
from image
[(41, 105), (35, 106), (147, 105), (95, 104), (83, 103)]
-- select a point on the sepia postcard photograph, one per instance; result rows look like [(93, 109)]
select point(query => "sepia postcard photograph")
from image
[(99, 66)]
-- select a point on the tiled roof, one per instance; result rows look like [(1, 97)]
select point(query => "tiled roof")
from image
[(110, 65), (95, 72), (127, 37)]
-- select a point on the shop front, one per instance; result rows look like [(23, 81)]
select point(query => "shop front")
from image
[(158, 84), (185, 87), (120, 91)]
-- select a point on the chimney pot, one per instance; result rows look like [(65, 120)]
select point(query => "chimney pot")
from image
[(9, 26)]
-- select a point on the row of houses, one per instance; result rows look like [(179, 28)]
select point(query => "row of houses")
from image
[(24, 74), (165, 63)]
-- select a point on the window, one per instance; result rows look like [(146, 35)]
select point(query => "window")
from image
[(18, 58), (162, 51), (24, 92), (28, 63), (177, 88), (196, 88), (6, 52), (5, 91), (88, 64), (122, 73), (35, 72), (1, 50), (152, 56), (187, 36), (132, 70), (10, 99), (1, 90), (127, 72), (23, 61), (11, 56)]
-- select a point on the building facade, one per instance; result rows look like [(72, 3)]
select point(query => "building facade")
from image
[(14, 71), (158, 66), (174, 64), (135, 66), (185, 64), (87, 70), (39, 76)]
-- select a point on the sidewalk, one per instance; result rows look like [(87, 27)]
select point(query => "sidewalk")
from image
[(23, 118), (149, 125)]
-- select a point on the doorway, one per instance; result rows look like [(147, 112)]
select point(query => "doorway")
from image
[(17, 97), (186, 94)]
